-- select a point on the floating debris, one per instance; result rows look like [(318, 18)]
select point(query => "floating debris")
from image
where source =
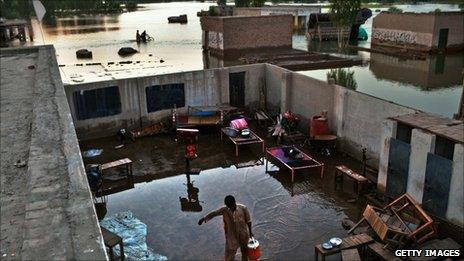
[(133, 233), (92, 153)]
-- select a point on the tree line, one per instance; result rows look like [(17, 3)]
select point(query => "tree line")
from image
[(11, 9)]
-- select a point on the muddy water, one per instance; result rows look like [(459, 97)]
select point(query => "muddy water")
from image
[(287, 226)]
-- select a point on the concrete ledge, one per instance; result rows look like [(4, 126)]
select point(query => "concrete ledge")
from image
[(60, 221)]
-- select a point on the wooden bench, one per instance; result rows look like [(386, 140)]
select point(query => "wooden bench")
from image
[(356, 241), (342, 170), (126, 162), (111, 239)]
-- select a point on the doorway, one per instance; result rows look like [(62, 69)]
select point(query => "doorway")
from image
[(237, 89), (443, 38)]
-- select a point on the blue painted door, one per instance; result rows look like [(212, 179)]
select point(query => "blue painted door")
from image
[(398, 167), (437, 184)]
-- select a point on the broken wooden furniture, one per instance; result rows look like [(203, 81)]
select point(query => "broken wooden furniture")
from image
[(301, 161), (437, 245), (238, 141), (157, 128), (399, 223), (201, 116), (351, 242), (111, 239), (376, 251), (343, 171)]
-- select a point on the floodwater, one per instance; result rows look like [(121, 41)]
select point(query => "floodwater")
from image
[(287, 220), (433, 85)]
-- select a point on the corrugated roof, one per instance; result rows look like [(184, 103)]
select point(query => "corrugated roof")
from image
[(444, 127)]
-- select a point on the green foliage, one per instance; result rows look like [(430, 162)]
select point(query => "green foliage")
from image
[(343, 77), (257, 3), (438, 10), (344, 12), (131, 5), (242, 3), (11, 9), (395, 9), (213, 11), (221, 2)]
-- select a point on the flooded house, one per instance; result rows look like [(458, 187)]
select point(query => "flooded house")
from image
[(11, 29), (434, 31), (233, 34), (290, 214)]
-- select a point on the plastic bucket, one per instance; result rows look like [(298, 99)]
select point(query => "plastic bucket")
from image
[(319, 126), (254, 251)]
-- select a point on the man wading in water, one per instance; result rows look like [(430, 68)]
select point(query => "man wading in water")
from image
[(237, 227)]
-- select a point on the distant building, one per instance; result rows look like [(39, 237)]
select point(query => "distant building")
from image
[(14, 29), (421, 31), (300, 13), (229, 35)]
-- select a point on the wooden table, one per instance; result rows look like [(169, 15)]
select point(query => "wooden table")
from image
[(239, 141), (304, 162), (111, 239), (355, 241), (343, 170), (126, 162)]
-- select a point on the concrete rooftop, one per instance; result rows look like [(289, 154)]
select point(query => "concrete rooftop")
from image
[(46, 206)]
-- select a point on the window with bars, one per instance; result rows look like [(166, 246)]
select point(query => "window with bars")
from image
[(97, 103), (162, 97)]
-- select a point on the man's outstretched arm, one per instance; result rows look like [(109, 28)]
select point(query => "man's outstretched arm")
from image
[(210, 215)]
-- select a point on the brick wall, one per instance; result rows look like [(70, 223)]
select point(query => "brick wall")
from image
[(247, 32)]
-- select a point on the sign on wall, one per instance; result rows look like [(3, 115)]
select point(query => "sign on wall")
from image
[(215, 40)]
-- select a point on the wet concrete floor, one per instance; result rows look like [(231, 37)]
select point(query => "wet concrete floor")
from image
[(287, 220)]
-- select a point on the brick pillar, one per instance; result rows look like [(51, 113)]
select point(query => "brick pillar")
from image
[(388, 132), (421, 144), (285, 91), (455, 211)]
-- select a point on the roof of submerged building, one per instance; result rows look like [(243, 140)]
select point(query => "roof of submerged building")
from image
[(46, 206), (444, 127)]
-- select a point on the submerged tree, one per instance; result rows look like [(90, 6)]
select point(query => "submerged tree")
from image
[(343, 77), (242, 3), (257, 3), (343, 15), (395, 9)]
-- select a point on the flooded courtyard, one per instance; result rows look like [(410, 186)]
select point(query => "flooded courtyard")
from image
[(288, 219)]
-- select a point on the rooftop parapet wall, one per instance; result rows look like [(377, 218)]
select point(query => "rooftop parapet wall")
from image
[(295, 10), (50, 213)]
